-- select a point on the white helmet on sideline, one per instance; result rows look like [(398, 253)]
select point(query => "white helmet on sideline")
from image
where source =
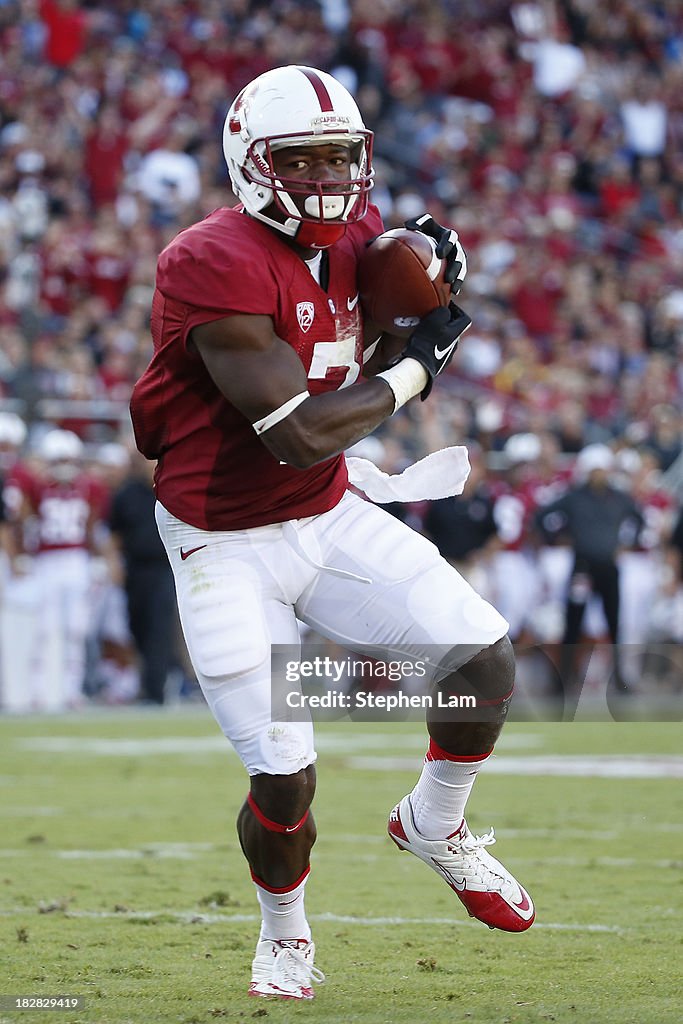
[(594, 457), (62, 451), (60, 445), (12, 429)]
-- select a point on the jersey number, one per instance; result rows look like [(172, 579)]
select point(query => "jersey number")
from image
[(63, 520), (334, 360)]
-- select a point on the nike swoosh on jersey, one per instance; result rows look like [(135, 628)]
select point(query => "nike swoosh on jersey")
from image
[(442, 353), (186, 554), (352, 303)]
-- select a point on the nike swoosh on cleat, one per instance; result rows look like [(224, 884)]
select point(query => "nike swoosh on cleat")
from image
[(442, 353), (191, 551), (455, 883), (352, 303), (524, 905)]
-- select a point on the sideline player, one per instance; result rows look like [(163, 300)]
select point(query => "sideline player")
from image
[(247, 406), (56, 510)]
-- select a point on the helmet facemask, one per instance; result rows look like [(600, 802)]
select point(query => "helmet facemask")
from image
[(329, 206)]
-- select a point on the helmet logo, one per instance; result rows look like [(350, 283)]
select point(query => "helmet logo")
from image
[(305, 312), (331, 120)]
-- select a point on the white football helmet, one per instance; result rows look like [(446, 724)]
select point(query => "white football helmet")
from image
[(12, 429), (12, 436), (62, 450), (297, 106)]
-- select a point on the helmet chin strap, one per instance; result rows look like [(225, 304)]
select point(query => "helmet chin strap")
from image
[(309, 234), (319, 236), (316, 234)]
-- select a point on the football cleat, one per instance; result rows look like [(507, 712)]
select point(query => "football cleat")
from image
[(284, 968), (488, 891)]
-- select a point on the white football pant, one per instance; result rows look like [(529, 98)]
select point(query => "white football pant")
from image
[(241, 591)]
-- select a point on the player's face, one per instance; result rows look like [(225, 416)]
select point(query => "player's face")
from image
[(327, 163), (62, 471), (7, 455)]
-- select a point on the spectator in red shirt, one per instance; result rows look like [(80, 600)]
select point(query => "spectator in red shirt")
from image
[(66, 26)]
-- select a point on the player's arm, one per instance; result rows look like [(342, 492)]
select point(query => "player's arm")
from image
[(259, 374), (552, 519), (263, 377), (19, 510)]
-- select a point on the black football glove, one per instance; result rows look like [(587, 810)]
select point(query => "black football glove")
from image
[(435, 339), (448, 247)]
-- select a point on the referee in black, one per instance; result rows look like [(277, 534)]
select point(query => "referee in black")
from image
[(149, 585)]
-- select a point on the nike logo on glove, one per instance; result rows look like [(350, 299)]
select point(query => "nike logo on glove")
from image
[(352, 303), (186, 554), (442, 353)]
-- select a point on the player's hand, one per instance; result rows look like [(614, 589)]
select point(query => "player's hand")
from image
[(448, 248), (435, 339)]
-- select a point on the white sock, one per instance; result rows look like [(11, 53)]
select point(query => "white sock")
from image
[(439, 798), (283, 913)]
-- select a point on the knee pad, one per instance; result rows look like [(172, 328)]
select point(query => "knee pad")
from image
[(286, 748)]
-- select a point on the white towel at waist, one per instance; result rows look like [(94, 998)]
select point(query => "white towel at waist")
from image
[(438, 475)]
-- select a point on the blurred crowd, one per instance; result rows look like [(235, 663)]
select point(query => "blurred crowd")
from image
[(549, 133)]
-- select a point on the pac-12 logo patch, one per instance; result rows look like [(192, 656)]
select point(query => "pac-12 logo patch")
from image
[(305, 311)]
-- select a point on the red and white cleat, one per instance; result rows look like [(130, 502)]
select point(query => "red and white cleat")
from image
[(488, 891), (284, 968)]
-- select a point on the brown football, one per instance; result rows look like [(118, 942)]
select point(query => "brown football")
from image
[(400, 280)]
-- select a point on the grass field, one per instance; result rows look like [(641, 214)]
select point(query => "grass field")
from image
[(121, 878)]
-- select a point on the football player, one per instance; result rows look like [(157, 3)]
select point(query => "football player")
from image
[(248, 406), (12, 436), (57, 508)]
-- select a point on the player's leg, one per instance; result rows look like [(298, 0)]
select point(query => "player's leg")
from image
[(21, 615), (76, 618), (232, 610), (418, 605), (151, 608), (606, 580), (47, 664), (515, 573), (430, 821), (579, 592)]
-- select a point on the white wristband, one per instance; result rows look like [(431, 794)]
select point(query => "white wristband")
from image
[(281, 413), (407, 379)]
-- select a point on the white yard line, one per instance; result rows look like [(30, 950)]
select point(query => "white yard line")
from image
[(339, 743), (194, 917), (601, 766), (31, 812), (191, 851)]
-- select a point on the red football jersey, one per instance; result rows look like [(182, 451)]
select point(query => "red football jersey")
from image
[(213, 470), (516, 506), (64, 511)]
